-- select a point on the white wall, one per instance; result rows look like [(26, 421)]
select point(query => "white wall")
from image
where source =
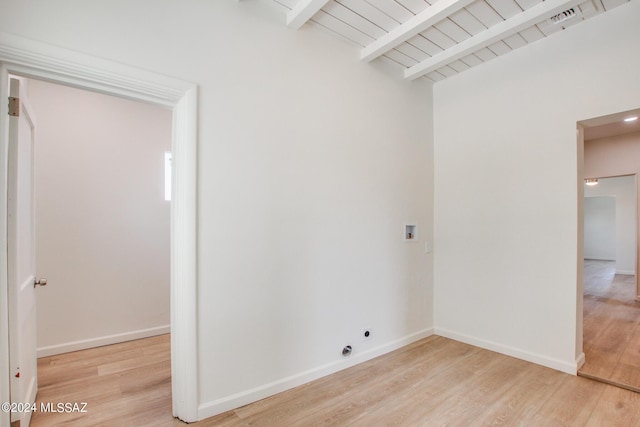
[(310, 162), (623, 190), (101, 219), (506, 196), (600, 228)]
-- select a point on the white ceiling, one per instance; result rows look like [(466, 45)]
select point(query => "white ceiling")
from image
[(611, 125), (436, 39)]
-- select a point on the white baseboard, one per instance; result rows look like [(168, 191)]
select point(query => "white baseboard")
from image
[(559, 365), (100, 341), (209, 409), (580, 361), (626, 272)]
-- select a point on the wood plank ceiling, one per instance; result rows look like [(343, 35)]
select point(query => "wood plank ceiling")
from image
[(436, 39)]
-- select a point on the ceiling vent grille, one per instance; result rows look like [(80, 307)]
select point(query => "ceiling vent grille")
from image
[(564, 16)]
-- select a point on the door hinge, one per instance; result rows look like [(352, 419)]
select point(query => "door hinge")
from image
[(14, 106)]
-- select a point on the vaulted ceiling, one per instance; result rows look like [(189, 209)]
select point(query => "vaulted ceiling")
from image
[(436, 39)]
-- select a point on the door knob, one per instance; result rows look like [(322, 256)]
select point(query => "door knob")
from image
[(40, 282)]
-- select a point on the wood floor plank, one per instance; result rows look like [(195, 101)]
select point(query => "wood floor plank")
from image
[(571, 404), (326, 385), (631, 355), (477, 395), (117, 395), (367, 388), (384, 393), (626, 375), (611, 326), (520, 403), (616, 407), (599, 363)]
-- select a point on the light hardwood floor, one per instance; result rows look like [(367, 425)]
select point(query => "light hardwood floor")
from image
[(611, 327), (127, 384), (435, 381)]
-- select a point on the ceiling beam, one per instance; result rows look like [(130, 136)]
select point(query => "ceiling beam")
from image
[(504, 29), (414, 26), (303, 11)]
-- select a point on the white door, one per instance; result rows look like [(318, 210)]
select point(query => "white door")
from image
[(21, 256)]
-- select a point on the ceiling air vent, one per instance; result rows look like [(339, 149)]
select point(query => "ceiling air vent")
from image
[(564, 16)]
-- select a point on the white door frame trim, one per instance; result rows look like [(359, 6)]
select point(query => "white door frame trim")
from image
[(29, 58)]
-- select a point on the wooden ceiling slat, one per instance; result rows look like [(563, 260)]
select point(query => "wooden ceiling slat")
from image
[(532, 34), (526, 4), (471, 60), (452, 30), (370, 13), (499, 48), (468, 22), (286, 3), (350, 17), (415, 6), (588, 9), (438, 37), (484, 13), (393, 9), (435, 76), (485, 54), (303, 11), (400, 58), (447, 71), (412, 52), (425, 45), (393, 60), (505, 8), (610, 4), (515, 41), (345, 30), (459, 66)]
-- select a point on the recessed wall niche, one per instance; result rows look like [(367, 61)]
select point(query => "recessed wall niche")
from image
[(410, 232)]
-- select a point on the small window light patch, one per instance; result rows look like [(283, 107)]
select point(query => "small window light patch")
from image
[(167, 176)]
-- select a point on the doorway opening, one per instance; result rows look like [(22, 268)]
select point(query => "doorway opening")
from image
[(35, 60), (102, 241), (607, 254)]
